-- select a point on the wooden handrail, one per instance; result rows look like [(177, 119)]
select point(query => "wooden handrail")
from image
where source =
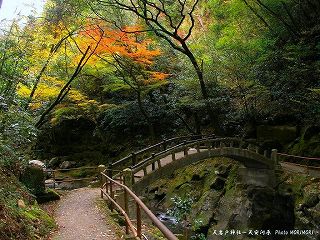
[(123, 212), (194, 141), (166, 232), (301, 157), (78, 168), (302, 165), (149, 148), (182, 147)]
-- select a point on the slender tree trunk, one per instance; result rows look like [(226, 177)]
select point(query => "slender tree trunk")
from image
[(197, 69), (197, 123), (65, 89), (146, 116), (213, 117), (35, 86)]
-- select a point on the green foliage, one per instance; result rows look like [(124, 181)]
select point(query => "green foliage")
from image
[(181, 208), (16, 134), (33, 178), (199, 236), (17, 222)]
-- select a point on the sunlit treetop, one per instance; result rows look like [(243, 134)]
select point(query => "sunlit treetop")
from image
[(129, 42)]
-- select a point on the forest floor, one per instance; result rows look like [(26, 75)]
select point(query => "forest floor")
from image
[(79, 217)]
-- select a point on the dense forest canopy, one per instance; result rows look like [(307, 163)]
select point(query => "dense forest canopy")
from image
[(159, 67)]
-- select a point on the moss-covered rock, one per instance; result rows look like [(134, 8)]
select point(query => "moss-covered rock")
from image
[(28, 222), (47, 196), (308, 144), (283, 134), (33, 177), (221, 201)]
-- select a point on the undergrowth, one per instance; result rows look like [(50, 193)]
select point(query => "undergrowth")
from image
[(20, 222)]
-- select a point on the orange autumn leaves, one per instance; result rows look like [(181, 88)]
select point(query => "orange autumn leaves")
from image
[(130, 43)]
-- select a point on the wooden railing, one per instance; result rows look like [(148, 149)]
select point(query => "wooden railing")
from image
[(300, 161), (215, 143), (153, 159), (108, 187), (151, 156), (136, 157), (56, 179)]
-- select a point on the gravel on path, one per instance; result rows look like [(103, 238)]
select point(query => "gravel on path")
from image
[(79, 218)]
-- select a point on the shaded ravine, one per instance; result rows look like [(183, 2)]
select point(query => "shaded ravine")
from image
[(78, 217)]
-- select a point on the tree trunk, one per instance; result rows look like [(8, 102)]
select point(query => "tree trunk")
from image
[(215, 120), (146, 117)]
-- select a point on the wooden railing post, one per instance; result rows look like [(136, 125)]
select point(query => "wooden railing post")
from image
[(198, 147), (145, 173), (111, 194), (103, 179), (257, 149), (54, 179), (210, 144), (126, 208), (185, 149), (274, 156), (133, 159), (107, 185), (173, 156), (101, 168), (102, 182), (164, 144), (138, 221), (153, 163), (128, 177)]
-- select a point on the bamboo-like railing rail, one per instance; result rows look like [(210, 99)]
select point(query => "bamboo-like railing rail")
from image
[(56, 180), (309, 163), (136, 157), (108, 190)]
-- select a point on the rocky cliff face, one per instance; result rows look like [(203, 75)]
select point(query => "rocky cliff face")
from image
[(77, 141), (220, 202)]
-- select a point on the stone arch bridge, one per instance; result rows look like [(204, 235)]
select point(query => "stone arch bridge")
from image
[(162, 159)]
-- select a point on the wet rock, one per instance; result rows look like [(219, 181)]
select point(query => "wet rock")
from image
[(54, 162), (204, 210), (196, 177), (282, 133), (223, 170), (270, 209), (218, 184), (311, 201), (68, 164), (49, 195), (37, 163), (21, 204), (33, 177)]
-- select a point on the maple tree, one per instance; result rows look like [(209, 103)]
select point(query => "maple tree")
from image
[(132, 55)]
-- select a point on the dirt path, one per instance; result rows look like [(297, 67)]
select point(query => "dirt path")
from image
[(79, 218), (291, 167)]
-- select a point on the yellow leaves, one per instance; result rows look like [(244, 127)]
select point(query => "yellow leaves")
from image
[(23, 90), (76, 97), (47, 89)]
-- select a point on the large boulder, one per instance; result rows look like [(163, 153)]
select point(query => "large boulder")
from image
[(54, 162), (283, 134), (68, 164), (33, 177), (49, 195), (37, 163)]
